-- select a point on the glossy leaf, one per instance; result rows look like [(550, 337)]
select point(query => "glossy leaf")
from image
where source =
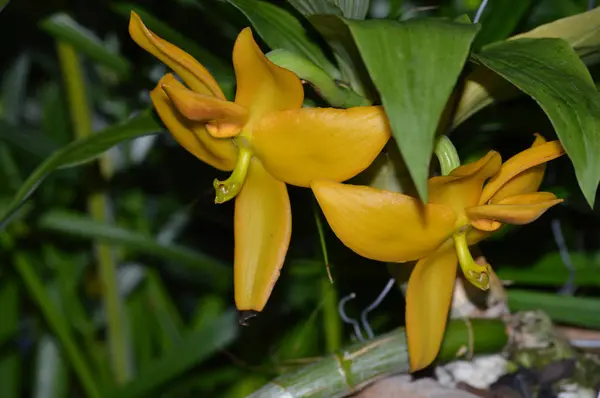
[(63, 27), (414, 65), (550, 71), (82, 226), (499, 20), (194, 348), (483, 87), (82, 151), (280, 29)]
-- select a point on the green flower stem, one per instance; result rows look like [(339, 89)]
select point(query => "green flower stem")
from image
[(446, 154), (335, 94), (57, 323), (81, 120), (228, 189)]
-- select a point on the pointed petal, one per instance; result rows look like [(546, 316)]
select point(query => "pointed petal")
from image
[(262, 86), (519, 163), (263, 226), (517, 209), (428, 298), (525, 182), (223, 118), (219, 153), (382, 225), (191, 71), (463, 186), (301, 145)]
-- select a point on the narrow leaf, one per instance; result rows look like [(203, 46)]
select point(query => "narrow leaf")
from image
[(280, 29), (63, 27), (78, 225), (82, 151), (414, 65), (196, 347), (550, 71)]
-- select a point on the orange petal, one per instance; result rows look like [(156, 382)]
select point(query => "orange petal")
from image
[(383, 225), (428, 298), (463, 186), (224, 118), (262, 86), (219, 153), (517, 209), (525, 182), (521, 162), (263, 225), (191, 71), (301, 145)]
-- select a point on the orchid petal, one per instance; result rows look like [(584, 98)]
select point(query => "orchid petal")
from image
[(301, 145), (518, 164), (191, 71), (262, 86), (517, 209), (383, 225), (463, 186), (224, 118), (428, 298), (263, 225), (219, 153)]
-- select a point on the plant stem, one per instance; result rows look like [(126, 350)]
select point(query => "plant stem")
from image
[(331, 321), (360, 364), (81, 119), (57, 324)]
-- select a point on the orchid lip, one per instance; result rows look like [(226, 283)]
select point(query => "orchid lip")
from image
[(228, 189), (478, 275)]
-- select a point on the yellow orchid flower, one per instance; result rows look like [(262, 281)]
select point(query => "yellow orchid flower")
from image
[(463, 209), (266, 138)]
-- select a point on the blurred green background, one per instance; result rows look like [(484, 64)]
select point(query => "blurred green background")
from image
[(146, 212)]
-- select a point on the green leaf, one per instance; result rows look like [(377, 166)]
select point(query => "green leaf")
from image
[(51, 373), (196, 347), (414, 65), (499, 20), (483, 87), (573, 310), (81, 151), (280, 29), (82, 226), (63, 27), (315, 7), (221, 70), (550, 71), (14, 88)]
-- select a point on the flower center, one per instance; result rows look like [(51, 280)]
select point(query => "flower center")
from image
[(228, 189), (478, 275)]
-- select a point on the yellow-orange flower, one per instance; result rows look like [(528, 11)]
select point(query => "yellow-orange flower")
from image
[(462, 210), (266, 138)]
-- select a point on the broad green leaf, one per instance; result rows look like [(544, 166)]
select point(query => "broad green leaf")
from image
[(550, 71), (551, 271), (565, 309), (193, 349), (499, 20), (415, 66), (221, 70), (82, 151), (354, 9), (315, 7), (63, 27), (82, 226), (483, 87), (280, 29)]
